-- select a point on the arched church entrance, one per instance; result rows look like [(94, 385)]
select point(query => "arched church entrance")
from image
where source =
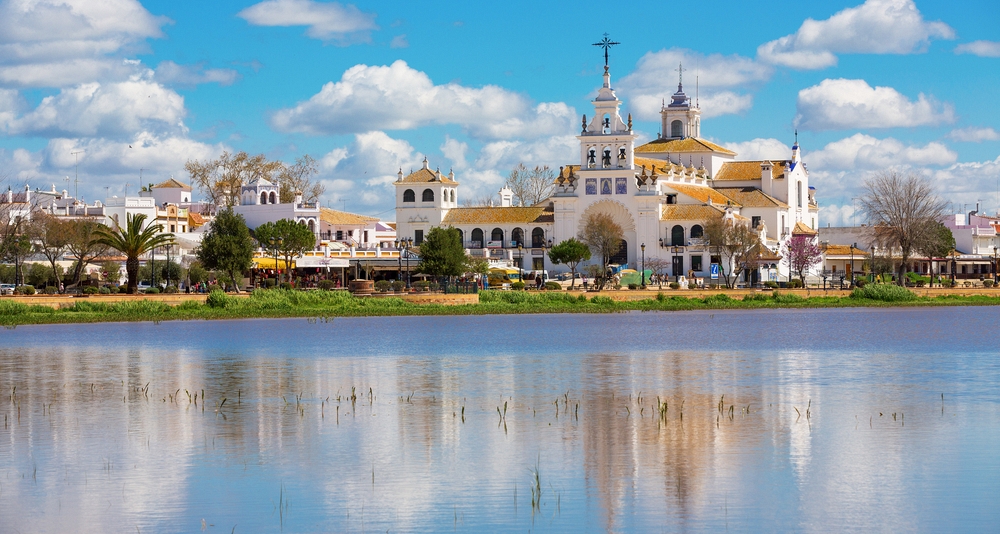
[(622, 217), (621, 257)]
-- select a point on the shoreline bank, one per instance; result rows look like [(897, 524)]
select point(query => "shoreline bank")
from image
[(15, 311)]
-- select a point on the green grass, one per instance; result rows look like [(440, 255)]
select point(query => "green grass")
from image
[(287, 303)]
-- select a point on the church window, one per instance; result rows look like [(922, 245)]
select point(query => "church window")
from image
[(697, 232), (263, 198), (409, 196), (676, 129), (477, 238), (537, 238), (273, 198), (677, 236), (622, 156), (606, 159), (799, 195), (452, 196), (428, 195), (517, 237), (497, 235), (755, 221), (418, 237), (607, 124), (591, 158)]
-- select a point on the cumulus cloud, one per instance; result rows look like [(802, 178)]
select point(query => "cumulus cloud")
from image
[(973, 134), (861, 151), (979, 48), (11, 104), (326, 21), (169, 72), (760, 149), (969, 182), (399, 41), (455, 150), (111, 110), (652, 81), (61, 42), (875, 27), (843, 104), (363, 172), (398, 97)]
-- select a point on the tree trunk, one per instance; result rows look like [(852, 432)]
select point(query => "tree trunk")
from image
[(132, 271)]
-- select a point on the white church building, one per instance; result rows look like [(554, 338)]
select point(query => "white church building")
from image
[(661, 193)]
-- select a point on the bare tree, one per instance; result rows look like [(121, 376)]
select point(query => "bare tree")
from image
[(297, 178), (480, 201), (660, 268), (604, 237), (83, 245), (51, 237), (220, 179), (530, 186), (737, 242), (898, 209)]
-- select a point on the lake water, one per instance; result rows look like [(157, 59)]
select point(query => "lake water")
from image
[(770, 420)]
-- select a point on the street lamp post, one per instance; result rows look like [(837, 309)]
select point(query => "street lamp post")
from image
[(851, 276), (399, 258), (994, 265), (520, 262), (643, 248), (406, 244), (673, 267), (874, 251), (168, 247), (152, 266)]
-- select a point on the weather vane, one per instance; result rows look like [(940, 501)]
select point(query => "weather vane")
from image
[(606, 44)]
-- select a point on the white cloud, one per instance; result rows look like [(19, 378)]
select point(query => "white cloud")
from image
[(505, 155), (760, 149), (864, 152), (398, 97), (651, 81), (171, 73), (112, 110), (327, 21), (843, 104), (364, 171), (969, 182), (399, 41), (455, 150), (973, 134), (875, 27), (842, 215), (60, 42), (979, 48), (11, 104)]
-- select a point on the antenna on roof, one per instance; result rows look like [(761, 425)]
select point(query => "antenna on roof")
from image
[(697, 100)]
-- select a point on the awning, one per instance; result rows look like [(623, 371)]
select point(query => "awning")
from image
[(270, 263), (320, 261)]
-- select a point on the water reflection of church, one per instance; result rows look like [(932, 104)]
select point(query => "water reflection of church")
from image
[(661, 193)]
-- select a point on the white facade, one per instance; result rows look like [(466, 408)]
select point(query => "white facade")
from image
[(260, 203)]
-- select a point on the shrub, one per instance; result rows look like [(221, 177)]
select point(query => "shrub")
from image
[(794, 283), (756, 297), (170, 289), (116, 289), (713, 286), (987, 283), (581, 298), (8, 307), (692, 285), (25, 290), (661, 297), (90, 290), (51, 290), (218, 299), (554, 286), (602, 300), (771, 284), (286, 285), (860, 282), (517, 286), (269, 283), (398, 285), (152, 291), (325, 285), (944, 283), (633, 287), (675, 285), (883, 293), (105, 290), (785, 298), (383, 285)]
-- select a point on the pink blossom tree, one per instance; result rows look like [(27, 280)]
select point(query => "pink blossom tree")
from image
[(801, 254)]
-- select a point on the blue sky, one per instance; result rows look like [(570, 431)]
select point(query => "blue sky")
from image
[(367, 88)]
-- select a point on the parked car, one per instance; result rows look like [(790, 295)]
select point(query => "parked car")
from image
[(563, 277), (6, 289), (143, 286)]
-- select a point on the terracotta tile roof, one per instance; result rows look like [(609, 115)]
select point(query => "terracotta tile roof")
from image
[(700, 193), (531, 214), (689, 144), (764, 254), (751, 197), (173, 184), (335, 217), (802, 229), (195, 219), (690, 212), (661, 166), (427, 176), (747, 170), (842, 250)]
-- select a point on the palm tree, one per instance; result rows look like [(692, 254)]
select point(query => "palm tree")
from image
[(133, 241)]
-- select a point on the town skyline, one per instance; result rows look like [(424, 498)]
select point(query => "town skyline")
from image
[(367, 89)]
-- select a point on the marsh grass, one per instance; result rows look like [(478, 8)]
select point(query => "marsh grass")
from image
[(322, 306)]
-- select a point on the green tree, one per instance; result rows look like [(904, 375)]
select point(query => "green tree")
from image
[(477, 265), (571, 252), (227, 247), (133, 240), (197, 274), (288, 238), (936, 241), (441, 253), (111, 272)]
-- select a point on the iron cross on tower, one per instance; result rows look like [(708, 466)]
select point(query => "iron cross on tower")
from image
[(606, 44), (680, 73)]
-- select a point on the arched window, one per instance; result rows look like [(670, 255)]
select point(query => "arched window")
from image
[(312, 226), (591, 158), (461, 237), (273, 198), (537, 238), (517, 237), (606, 124), (677, 236), (497, 235), (606, 159), (428, 196), (409, 196), (799, 195), (676, 129), (697, 231), (477, 238), (452, 196), (263, 198)]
